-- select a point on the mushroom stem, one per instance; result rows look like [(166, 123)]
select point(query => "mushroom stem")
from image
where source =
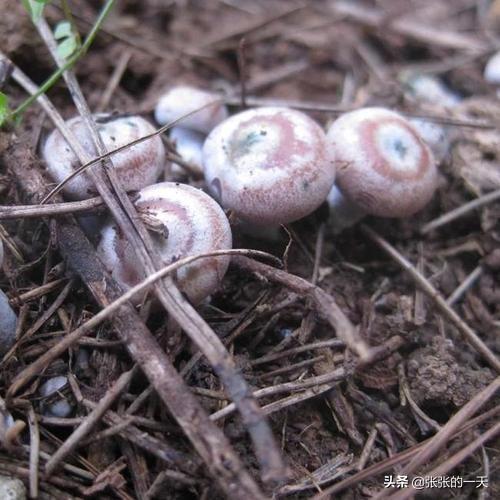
[(343, 212)]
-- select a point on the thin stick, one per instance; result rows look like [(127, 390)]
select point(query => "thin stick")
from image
[(466, 284), (460, 211), (242, 66), (32, 211), (71, 338), (296, 350), (90, 421), (450, 463), (376, 18), (181, 311), (34, 452), (120, 68), (380, 467), (444, 435), (469, 334), (207, 439), (324, 302), (324, 107)]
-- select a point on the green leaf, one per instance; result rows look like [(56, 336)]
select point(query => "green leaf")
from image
[(4, 108), (63, 30), (67, 48), (69, 41)]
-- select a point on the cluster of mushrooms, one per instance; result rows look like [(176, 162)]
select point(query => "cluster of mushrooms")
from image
[(266, 166)]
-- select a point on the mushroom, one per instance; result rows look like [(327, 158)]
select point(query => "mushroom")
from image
[(429, 89), (55, 405), (184, 221), (189, 145), (182, 100), (270, 165), (138, 165), (492, 69), (384, 167), (8, 318), (436, 137)]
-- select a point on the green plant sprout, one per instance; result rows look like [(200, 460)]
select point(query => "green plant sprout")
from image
[(74, 55)]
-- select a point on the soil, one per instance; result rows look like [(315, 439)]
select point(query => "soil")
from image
[(309, 54)]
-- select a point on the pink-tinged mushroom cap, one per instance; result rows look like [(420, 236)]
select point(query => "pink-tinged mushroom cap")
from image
[(383, 165), (188, 222), (137, 166), (269, 165), (181, 100)]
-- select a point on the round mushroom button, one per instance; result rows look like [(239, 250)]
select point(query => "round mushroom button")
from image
[(269, 165), (383, 164)]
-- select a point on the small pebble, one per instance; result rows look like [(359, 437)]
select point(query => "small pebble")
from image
[(12, 489)]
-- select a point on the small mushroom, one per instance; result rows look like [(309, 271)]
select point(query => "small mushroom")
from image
[(429, 89), (384, 167), (270, 165), (181, 100), (435, 135), (184, 221), (55, 404), (137, 166), (189, 145), (492, 69), (8, 318)]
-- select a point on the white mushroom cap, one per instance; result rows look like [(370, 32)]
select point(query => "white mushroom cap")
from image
[(492, 69), (60, 407), (195, 224), (189, 145), (269, 165), (181, 100), (137, 166), (383, 165)]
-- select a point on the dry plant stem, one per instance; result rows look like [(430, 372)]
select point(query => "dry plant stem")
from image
[(207, 439), (325, 304), (449, 464), (447, 431), (71, 338), (33, 211), (267, 451), (90, 421), (34, 452), (376, 18), (341, 108), (120, 68), (319, 382), (145, 441), (296, 350), (40, 321), (469, 334), (460, 211), (466, 284), (389, 463)]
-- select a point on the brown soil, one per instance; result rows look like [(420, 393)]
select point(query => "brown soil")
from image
[(346, 63)]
